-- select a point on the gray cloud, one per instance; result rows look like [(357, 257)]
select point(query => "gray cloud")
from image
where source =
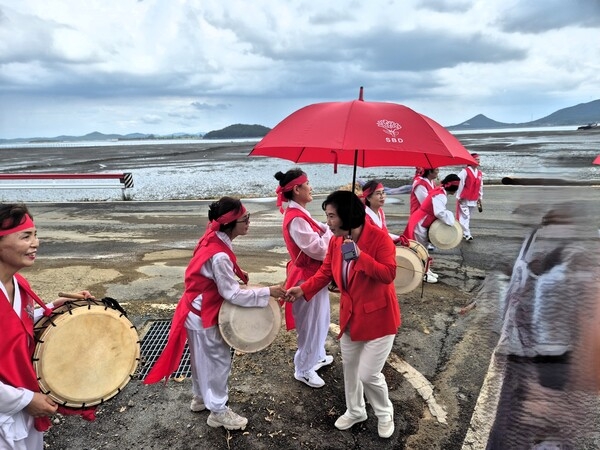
[(538, 17)]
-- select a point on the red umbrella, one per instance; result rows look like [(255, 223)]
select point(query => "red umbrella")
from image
[(365, 134), (597, 160)]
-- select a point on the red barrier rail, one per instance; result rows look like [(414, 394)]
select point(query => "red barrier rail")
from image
[(125, 181)]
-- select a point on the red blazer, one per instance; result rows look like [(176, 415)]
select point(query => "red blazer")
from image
[(368, 304)]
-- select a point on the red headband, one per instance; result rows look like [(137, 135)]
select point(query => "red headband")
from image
[(226, 218), (26, 223), (288, 187), (452, 183), (368, 192)]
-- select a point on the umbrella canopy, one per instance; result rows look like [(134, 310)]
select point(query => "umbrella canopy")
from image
[(365, 134), (597, 160)]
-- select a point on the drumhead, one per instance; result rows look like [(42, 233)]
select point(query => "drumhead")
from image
[(445, 236), (249, 329), (88, 356), (420, 250), (409, 270)]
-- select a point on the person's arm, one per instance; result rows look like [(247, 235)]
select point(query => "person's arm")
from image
[(309, 241), (439, 209), (421, 193), (481, 188), (13, 399), (229, 287)]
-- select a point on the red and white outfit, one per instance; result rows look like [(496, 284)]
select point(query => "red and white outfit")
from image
[(434, 207), (469, 191), (378, 218), (18, 381), (420, 190), (307, 241), (210, 279), (369, 316)]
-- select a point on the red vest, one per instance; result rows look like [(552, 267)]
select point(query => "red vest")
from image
[(301, 267), (381, 216), (414, 201), (472, 186), (425, 210), (18, 344), (195, 284)]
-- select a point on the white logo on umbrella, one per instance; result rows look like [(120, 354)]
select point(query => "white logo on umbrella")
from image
[(390, 128)]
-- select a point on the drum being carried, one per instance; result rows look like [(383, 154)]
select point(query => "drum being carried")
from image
[(249, 329), (445, 236), (86, 352), (411, 265)]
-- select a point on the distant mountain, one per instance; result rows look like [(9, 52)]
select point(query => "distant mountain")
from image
[(581, 114), (238, 131)]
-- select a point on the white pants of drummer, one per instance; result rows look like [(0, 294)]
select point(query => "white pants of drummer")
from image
[(312, 325), (210, 359), (465, 211), (363, 362)]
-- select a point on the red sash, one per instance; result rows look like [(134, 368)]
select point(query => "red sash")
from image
[(301, 267), (425, 211), (195, 284)]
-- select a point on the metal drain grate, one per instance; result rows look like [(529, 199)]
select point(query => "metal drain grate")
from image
[(153, 344)]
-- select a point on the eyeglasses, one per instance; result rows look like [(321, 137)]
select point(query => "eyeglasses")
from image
[(246, 219)]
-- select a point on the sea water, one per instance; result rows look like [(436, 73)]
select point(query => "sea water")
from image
[(525, 154)]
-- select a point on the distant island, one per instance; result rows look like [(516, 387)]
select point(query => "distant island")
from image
[(580, 116)]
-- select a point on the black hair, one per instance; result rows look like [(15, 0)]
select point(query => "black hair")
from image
[(285, 178), (12, 214), (372, 184), (449, 179), (428, 172), (223, 206), (349, 208)]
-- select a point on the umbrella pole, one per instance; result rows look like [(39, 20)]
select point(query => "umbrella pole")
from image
[(354, 171)]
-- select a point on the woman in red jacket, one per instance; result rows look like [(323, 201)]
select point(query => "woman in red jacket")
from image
[(361, 258)]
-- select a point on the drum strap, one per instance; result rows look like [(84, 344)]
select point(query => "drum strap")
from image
[(25, 285)]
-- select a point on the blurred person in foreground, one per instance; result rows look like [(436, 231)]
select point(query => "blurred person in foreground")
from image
[(210, 279), (469, 195), (547, 338), (361, 258), (306, 241), (24, 410)]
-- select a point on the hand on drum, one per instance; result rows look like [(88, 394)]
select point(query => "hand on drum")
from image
[(66, 296), (41, 405)]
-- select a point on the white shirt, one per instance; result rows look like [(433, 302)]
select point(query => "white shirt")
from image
[(219, 268), (376, 216), (308, 240), (421, 191)]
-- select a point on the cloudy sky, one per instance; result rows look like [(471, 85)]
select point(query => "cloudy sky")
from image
[(168, 66)]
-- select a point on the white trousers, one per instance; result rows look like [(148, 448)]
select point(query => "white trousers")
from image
[(34, 441), (464, 217), (312, 325), (210, 360), (363, 362)]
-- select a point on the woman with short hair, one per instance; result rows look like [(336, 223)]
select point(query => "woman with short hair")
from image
[(361, 258)]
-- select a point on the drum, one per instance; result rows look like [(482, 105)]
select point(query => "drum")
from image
[(445, 236), (86, 352), (249, 329), (411, 264)]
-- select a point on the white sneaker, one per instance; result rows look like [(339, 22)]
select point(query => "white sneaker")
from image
[(324, 362), (344, 422), (385, 429), (197, 404), (431, 273), (430, 279), (227, 419), (430, 248), (311, 378)]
